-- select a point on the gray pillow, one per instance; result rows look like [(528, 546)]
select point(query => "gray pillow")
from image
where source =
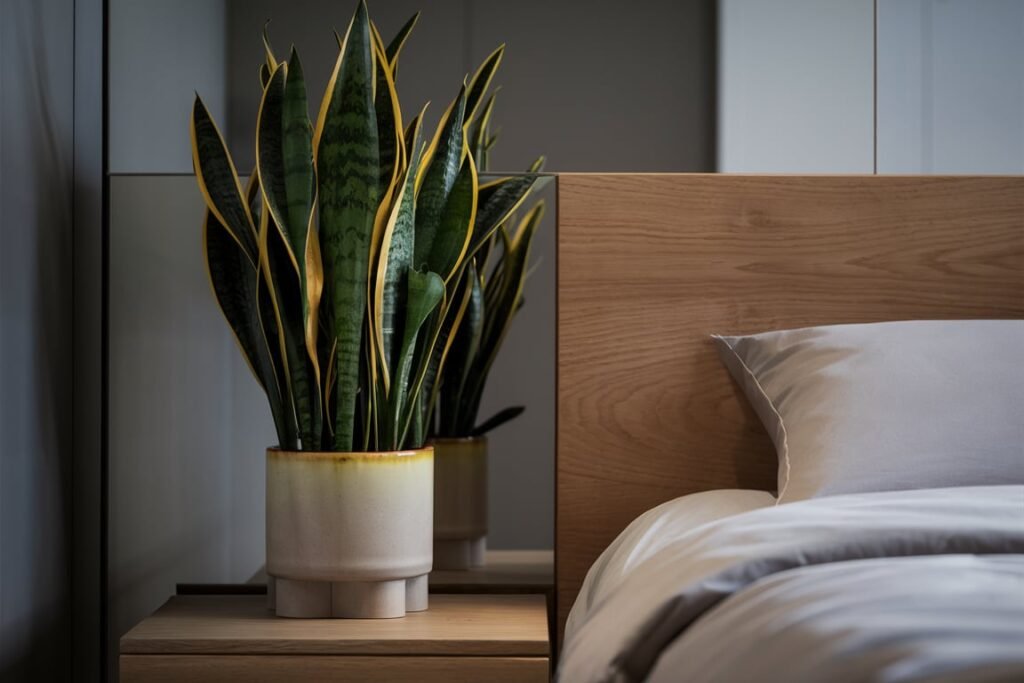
[(887, 406)]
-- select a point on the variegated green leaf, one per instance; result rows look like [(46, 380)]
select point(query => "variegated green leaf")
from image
[(442, 169), (235, 283), (425, 293), (394, 49), (348, 173), (396, 260), (287, 296), (389, 117), (433, 356), (481, 81), (218, 181), (502, 310), (478, 135), (459, 364), (284, 157), (456, 224), (497, 201)]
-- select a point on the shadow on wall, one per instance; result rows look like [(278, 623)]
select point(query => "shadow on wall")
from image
[(35, 338)]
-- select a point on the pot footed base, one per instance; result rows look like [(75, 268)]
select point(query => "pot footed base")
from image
[(459, 554), (346, 599)]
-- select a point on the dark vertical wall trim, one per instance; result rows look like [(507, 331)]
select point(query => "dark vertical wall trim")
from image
[(104, 583), (87, 577)]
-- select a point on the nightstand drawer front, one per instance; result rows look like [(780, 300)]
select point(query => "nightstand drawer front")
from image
[(303, 668)]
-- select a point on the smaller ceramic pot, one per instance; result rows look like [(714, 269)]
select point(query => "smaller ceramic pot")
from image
[(460, 502), (349, 534)]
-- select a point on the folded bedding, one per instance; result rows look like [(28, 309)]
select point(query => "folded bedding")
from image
[(888, 586)]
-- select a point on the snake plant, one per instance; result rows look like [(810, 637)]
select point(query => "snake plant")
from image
[(345, 267), (495, 279)]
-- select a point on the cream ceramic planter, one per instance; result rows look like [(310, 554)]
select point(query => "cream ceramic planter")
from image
[(460, 502), (349, 534)]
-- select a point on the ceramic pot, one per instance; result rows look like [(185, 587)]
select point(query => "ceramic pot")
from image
[(349, 534), (460, 502)]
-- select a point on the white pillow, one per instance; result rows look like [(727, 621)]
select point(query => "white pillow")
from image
[(887, 406)]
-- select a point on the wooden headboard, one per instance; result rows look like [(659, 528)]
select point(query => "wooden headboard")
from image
[(650, 265)]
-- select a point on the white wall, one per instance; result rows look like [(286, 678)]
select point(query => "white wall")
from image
[(951, 86), (795, 86)]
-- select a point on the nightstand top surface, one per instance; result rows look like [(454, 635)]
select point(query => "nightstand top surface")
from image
[(504, 571), (486, 625)]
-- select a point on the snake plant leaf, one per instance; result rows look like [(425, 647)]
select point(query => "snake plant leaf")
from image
[(478, 133), (268, 325), (287, 298), (497, 420), (235, 284), (464, 349), (268, 52), (394, 48), (425, 292), (264, 75), (297, 155), (218, 181), (284, 159), (253, 197), (391, 155), (456, 225), (348, 170), (435, 355), (501, 312), (497, 201), (481, 81), (395, 262), (443, 162), (389, 117), (284, 154)]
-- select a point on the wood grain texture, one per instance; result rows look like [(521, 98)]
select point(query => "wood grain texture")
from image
[(650, 265), (355, 669), (463, 625)]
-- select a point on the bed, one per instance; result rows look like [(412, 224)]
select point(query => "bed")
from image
[(649, 267)]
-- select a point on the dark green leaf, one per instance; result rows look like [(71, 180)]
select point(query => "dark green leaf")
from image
[(284, 287), (495, 204), (348, 171), (500, 309), (481, 80), (235, 282), (394, 48), (218, 181), (460, 359), (438, 180), (400, 245), (456, 223), (497, 420), (425, 292)]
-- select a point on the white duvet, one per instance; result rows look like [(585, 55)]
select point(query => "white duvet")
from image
[(895, 586)]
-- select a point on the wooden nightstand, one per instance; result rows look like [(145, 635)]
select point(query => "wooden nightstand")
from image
[(207, 638)]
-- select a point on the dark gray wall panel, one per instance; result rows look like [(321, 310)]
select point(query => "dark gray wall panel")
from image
[(36, 157), (432, 66)]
